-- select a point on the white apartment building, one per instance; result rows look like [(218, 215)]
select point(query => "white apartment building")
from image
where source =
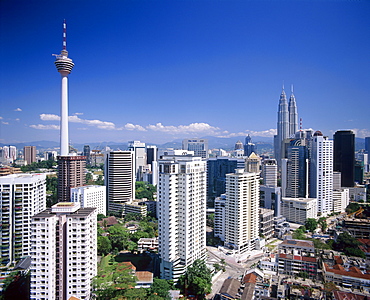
[(298, 210), (340, 200), (181, 212), (219, 229), (64, 252), (21, 197), (321, 173), (242, 203), (91, 196), (119, 178)]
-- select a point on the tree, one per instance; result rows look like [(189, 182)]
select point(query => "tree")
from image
[(135, 294), (197, 279), (311, 224), (104, 245), (352, 207), (118, 236), (161, 287), (100, 217), (210, 221), (348, 244), (323, 224), (144, 190)]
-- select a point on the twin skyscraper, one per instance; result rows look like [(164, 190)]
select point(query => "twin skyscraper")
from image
[(287, 124)]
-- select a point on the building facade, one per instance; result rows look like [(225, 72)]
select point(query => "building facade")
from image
[(199, 146), (241, 215), (21, 197), (71, 173), (29, 153), (321, 173), (298, 210), (64, 252), (119, 179), (181, 213), (91, 196), (344, 156), (269, 172)]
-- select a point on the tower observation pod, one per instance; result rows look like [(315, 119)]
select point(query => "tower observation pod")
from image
[(64, 66)]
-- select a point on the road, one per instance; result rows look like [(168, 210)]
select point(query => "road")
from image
[(233, 269)]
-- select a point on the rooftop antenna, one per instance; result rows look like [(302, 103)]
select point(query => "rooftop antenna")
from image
[(292, 88), (300, 124), (64, 35)]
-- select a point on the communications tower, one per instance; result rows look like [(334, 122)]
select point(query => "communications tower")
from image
[(64, 66)]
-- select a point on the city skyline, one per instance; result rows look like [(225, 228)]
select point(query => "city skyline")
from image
[(222, 65)]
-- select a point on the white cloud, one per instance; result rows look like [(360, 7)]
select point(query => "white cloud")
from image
[(45, 127), (130, 126), (191, 128), (263, 133), (78, 114), (18, 109), (49, 117), (361, 133), (17, 119), (76, 119), (5, 123), (1, 118)]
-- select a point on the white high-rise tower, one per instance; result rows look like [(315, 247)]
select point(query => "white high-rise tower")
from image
[(64, 66), (293, 115)]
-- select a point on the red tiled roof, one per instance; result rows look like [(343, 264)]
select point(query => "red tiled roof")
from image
[(251, 277), (144, 276), (339, 295), (339, 270)]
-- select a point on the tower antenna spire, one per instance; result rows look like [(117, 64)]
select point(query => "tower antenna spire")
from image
[(283, 85), (64, 35), (292, 88)]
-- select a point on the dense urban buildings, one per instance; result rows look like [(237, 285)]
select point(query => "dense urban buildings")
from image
[(64, 252), (119, 179), (249, 147), (21, 197), (181, 213)]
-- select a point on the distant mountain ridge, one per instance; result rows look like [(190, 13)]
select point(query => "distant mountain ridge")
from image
[(213, 143)]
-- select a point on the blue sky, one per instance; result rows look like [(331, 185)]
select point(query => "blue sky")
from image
[(156, 71)]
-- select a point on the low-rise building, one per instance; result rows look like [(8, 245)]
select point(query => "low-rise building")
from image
[(297, 258), (145, 244), (266, 222), (298, 210)]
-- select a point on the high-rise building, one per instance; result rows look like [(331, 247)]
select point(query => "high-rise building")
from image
[(287, 124), (181, 212), (119, 179), (64, 252), (241, 215), (140, 159), (71, 173), (293, 115), (249, 147), (298, 210), (294, 170), (238, 145), (321, 173), (269, 172), (344, 156), (217, 168), (253, 163), (151, 154), (91, 196), (21, 197), (199, 146), (219, 228), (86, 153), (367, 144), (29, 153)]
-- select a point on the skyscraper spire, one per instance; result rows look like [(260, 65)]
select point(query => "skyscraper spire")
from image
[(64, 35), (293, 115)]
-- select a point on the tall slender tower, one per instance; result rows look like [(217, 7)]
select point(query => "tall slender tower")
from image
[(64, 66), (293, 115), (71, 169)]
